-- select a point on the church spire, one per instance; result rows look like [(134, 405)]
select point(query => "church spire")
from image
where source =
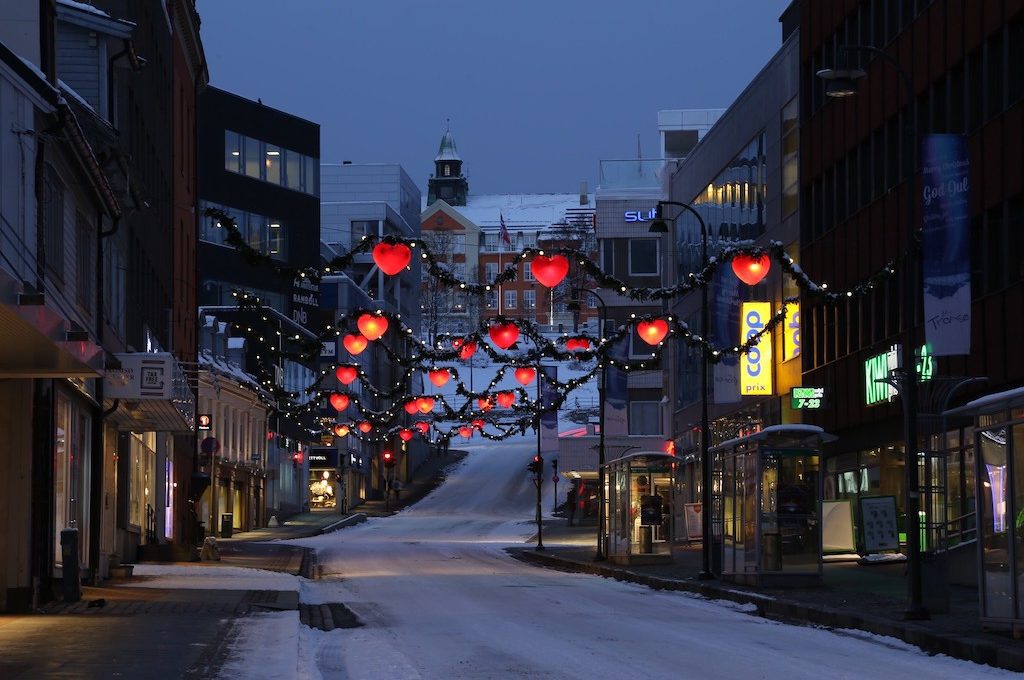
[(447, 182)]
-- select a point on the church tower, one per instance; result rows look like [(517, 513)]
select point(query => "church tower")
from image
[(447, 182)]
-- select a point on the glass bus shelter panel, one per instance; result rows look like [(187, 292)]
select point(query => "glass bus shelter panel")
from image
[(997, 584), (1017, 451), (790, 532)]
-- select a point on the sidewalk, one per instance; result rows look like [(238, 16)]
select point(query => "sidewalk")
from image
[(867, 598)]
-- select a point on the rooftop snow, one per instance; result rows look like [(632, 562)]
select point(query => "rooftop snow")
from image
[(519, 210)]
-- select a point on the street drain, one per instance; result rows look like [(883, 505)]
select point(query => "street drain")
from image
[(328, 616)]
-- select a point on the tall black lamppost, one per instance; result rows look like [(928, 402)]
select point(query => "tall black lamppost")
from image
[(658, 226), (842, 83), (602, 317)]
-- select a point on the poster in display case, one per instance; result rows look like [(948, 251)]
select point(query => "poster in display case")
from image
[(878, 522)]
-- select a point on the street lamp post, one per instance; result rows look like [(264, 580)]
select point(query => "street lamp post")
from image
[(842, 83), (601, 553), (658, 226)]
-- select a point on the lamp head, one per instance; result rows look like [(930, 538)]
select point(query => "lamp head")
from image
[(840, 82), (658, 225)]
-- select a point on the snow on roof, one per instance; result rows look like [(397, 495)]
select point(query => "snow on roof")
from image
[(791, 429), (519, 210), (84, 7), (77, 97), (989, 403), (222, 367), (236, 343)]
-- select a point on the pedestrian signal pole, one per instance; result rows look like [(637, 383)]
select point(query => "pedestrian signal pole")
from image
[(536, 466)]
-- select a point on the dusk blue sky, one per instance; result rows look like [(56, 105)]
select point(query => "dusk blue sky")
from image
[(538, 92)]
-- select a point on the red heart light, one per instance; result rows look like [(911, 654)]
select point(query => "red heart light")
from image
[(372, 326), (364, 426), (550, 270), (506, 399), (346, 374), (652, 332), (467, 350), (751, 270), (392, 258), (525, 375), (354, 343), (479, 423), (411, 407), (339, 401), (577, 343), (485, 404), (466, 431), (405, 434), (341, 430), (504, 334), (423, 426), (425, 404), (439, 376)]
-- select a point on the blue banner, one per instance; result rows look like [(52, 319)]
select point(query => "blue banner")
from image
[(616, 389), (945, 249), (724, 313)]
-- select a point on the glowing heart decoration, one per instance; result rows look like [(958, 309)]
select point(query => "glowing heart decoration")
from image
[(405, 434), (423, 426), (652, 332), (577, 343), (484, 404), (466, 431), (341, 430), (339, 401), (439, 376), (479, 423), (425, 404), (354, 343), (467, 350), (364, 426), (411, 407), (751, 270), (392, 259), (372, 326), (346, 374), (506, 399), (550, 270), (457, 343), (525, 375), (504, 334)]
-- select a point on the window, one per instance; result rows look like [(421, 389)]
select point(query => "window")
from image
[(267, 235), (232, 151), (53, 223), (293, 170), (492, 299), (510, 299), (608, 256), (528, 272), (490, 272), (643, 257), (251, 157), (273, 164), (644, 417), (490, 242), (84, 246), (529, 299), (460, 271), (790, 157), (447, 170)]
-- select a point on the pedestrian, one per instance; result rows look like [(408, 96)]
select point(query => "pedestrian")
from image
[(570, 500)]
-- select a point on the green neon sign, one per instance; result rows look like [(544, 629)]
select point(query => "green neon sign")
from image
[(878, 368), (807, 397)]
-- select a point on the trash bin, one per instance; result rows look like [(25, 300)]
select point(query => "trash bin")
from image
[(227, 521), (69, 556), (646, 539)]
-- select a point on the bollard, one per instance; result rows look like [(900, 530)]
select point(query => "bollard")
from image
[(69, 555)]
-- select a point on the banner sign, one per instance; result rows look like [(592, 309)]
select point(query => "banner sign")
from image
[(548, 419), (945, 249), (791, 332), (756, 365), (616, 388), (725, 375)]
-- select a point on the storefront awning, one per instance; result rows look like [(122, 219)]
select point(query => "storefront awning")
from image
[(152, 394), (990, 403), (37, 343)]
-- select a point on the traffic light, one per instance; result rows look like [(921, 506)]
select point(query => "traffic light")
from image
[(536, 466), (388, 458)]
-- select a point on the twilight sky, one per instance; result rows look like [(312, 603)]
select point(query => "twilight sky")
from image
[(537, 91)]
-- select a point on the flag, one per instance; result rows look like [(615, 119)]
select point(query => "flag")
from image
[(505, 238)]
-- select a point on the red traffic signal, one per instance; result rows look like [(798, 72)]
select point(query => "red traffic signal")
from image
[(536, 466), (388, 458)]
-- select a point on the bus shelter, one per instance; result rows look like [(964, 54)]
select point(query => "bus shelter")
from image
[(766, 506), (641, 498), (999, 471)]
